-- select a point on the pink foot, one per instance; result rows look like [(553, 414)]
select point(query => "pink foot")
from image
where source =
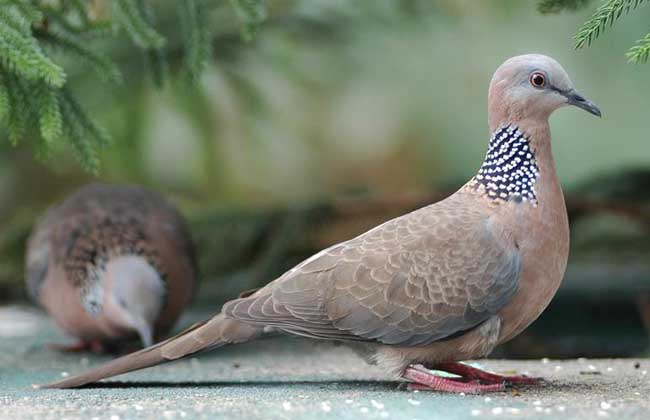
[(424, 380), (472, 373)]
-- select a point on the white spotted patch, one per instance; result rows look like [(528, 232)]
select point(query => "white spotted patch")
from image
[(510, 170)]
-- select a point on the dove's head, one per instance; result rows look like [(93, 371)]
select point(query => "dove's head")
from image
[(531, 87), (136, 295)]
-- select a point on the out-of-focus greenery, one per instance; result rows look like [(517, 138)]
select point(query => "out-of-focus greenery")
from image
[(605, 15), (367, 99), (33, 81)]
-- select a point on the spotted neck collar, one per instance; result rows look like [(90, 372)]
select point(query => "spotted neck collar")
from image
[(510, 170)]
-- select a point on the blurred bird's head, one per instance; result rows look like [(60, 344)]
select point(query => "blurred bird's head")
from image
[(531, 87), (136, 294)]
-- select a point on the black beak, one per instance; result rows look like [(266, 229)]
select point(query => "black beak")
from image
[(575, 99)]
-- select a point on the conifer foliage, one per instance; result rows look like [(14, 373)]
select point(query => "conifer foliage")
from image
[(35, 99), (604, 17)]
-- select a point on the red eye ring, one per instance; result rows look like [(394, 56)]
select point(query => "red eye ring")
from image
[(538, 79)]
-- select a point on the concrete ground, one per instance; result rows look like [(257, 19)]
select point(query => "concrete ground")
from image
[(291, 378)]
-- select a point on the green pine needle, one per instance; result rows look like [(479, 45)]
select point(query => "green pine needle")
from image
[(605, 15), (155, 57), (4, 97), (12, 17), (252, 14), (105, 68), (85, 136), (17, 121), (132, 20), (28, 10), (196, 36), (50, 120), (641, 51), (23, 55)]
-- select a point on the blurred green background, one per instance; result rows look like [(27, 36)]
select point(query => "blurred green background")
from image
[(341, 114)]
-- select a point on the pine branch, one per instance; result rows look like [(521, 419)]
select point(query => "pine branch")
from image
[(50, 120), (131, 18), (556, 6), (157, 64), (28, 10), (605, 16), (15, 19), (89, 30), (105, 68), (84, 135), (4, 97), (18, 116), (252, 13), (196, 37), (640, 52), (23, 55)]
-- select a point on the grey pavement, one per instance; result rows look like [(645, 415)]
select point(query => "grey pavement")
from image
[(288, 378)]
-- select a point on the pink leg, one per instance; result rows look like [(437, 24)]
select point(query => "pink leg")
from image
[(470, 372), (422, 379)]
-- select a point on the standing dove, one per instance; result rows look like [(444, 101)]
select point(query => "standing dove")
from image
[(111, 263), (445, 283)]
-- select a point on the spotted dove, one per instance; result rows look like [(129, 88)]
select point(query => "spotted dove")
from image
[(445, 283), (110, 263)]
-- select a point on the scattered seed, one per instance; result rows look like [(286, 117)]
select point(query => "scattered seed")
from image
[(476, 412), (605, 405), (538, 402), (414, 402), (487, 399), (497, 410), (286, 406)]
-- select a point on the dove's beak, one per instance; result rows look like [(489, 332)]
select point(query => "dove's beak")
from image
[(575, 99)]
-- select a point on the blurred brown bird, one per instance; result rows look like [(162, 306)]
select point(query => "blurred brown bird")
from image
[(445, 283), (111, 263)]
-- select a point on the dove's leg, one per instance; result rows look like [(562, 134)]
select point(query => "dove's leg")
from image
[(472, 373), (422, 379)]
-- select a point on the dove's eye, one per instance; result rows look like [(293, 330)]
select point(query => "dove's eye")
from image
[(538, 80)]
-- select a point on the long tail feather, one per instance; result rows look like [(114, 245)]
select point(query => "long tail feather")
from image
[(205, 335)]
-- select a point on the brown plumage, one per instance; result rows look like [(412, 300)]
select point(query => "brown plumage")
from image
[(111, 263), (444, 283)]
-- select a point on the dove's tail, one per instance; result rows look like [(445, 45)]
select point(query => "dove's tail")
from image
[(205, 335)]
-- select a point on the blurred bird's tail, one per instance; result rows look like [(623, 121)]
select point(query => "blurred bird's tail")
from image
[(215, 332)]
